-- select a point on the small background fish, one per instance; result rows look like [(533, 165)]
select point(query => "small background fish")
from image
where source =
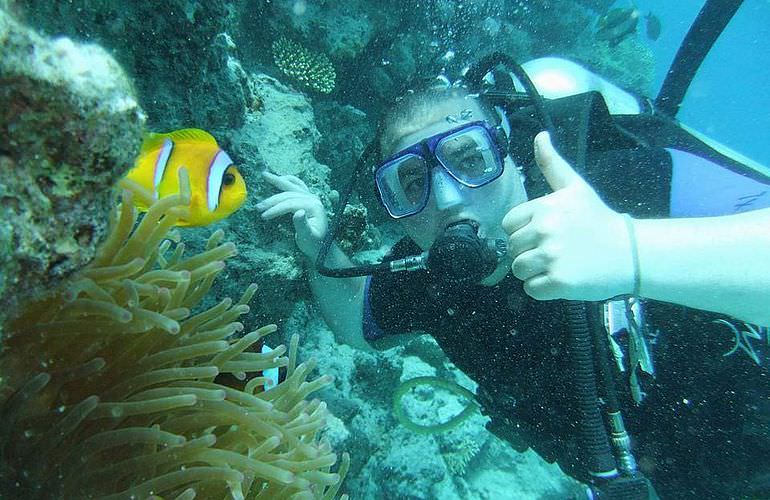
[(272, 376), (217, 187), (653, 26), (620, 23)]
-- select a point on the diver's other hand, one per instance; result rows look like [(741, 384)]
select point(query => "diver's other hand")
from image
[(308, 213), (568, 244)]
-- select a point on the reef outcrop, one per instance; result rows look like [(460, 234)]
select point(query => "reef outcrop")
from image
[(71, 126)]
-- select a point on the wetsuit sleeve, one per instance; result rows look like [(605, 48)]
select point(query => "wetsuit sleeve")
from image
[(395, 303)]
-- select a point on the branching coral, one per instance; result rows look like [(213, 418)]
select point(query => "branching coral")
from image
[(457, 459), (311, 70), (110, 389)]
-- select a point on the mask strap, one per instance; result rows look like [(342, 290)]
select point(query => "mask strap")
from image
[(504, 122), (371, 150)]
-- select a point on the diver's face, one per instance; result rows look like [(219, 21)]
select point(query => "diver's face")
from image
[(450, 201)]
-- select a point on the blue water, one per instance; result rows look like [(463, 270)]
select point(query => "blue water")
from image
[(729, 98)]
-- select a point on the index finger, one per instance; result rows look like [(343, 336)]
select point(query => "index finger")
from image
[(518, 217)]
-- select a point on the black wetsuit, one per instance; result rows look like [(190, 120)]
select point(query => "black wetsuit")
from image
[(703, 431)]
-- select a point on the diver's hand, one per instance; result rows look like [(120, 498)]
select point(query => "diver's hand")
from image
[(568, 244), (308, 213)]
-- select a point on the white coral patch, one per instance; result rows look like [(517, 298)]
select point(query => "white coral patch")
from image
[(89, 70)]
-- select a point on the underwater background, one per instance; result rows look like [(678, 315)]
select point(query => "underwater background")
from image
[(295, 87), (730, 83)]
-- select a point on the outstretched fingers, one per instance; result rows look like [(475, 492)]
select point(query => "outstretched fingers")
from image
[(306, 209), (286, 182), (286, 203)]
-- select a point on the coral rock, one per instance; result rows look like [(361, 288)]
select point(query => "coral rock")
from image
[(71, 127)]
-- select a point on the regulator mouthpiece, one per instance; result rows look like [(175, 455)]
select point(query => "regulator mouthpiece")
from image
[(460, 257)]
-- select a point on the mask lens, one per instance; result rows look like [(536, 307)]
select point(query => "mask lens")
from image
[(470, 156), (403, 185)]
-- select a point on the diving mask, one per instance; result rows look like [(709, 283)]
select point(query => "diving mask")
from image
[(472, 154)]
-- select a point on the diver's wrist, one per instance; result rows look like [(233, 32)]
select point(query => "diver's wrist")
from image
[(636, 273), (335, 257)]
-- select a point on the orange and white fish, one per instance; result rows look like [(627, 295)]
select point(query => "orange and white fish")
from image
[(217, 188), (272, 376)]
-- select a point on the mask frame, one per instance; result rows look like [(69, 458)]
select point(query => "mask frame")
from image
[(428, 151)]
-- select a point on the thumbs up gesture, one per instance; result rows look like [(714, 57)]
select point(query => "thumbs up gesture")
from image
[(568, 244)]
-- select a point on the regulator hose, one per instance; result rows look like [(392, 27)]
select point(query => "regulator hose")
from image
[(600, 462), (456, 389)]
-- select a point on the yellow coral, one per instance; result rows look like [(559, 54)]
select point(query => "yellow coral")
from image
[(109, 387)]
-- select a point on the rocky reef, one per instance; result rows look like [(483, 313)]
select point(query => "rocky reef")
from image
[(70, 124), (179, 57)]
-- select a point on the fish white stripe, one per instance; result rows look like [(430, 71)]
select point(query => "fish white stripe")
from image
[(271, 374), (214, 182), (160, 164)]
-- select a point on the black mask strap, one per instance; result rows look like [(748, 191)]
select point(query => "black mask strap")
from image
[(371, 151)]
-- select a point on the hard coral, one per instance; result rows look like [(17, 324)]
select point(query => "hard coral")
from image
[(109, 386), (309, 69)]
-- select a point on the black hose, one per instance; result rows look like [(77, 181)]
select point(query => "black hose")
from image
[(598, 458), (709, 24), (476, 74), (597, 453), (334, 225), (603, 356)]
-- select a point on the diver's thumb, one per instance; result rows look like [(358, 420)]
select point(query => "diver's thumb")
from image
[(555, 169)]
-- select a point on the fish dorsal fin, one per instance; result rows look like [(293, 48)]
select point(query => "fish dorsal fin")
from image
[(192, 135), (153, 142)]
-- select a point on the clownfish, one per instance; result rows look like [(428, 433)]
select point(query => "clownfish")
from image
[(272, 376), (217, 188)]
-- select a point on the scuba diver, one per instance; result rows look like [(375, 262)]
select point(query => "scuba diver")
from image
[(636, 397)]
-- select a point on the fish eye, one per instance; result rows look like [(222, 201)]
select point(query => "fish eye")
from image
[(228, 179)]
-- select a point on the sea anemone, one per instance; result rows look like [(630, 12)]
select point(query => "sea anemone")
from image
[(110, 386)]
